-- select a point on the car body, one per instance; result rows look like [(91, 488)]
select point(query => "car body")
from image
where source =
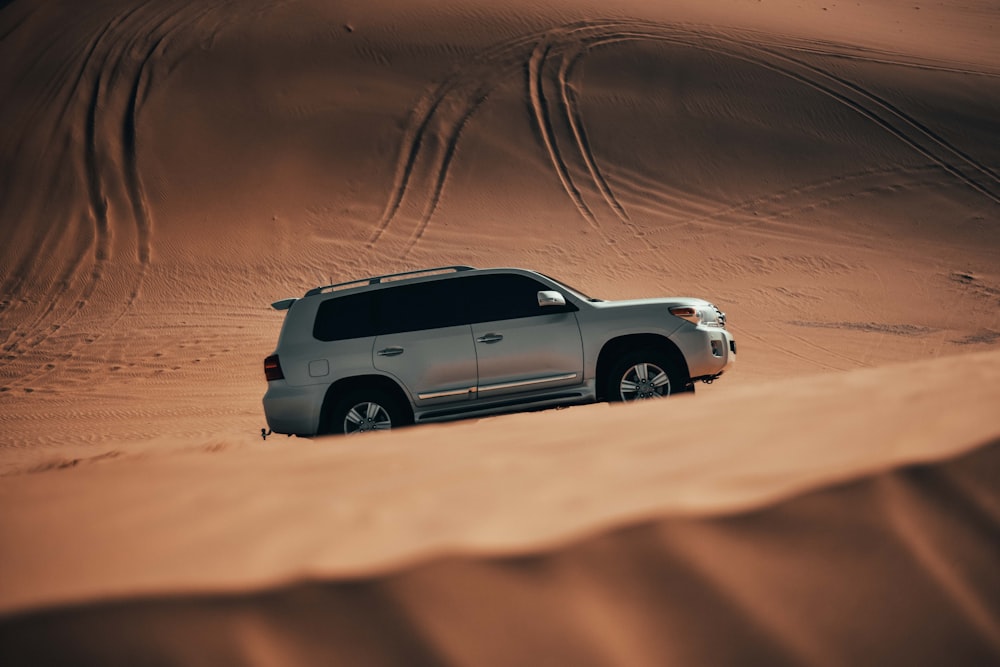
[(453, 342)]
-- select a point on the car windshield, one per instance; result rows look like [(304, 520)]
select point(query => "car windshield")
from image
[(576, 292)]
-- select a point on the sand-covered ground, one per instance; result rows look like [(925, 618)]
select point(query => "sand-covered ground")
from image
[(828, 173)]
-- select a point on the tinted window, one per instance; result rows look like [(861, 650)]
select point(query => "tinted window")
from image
[(345, 317), (433, 305), (421, 306), (506, 297)]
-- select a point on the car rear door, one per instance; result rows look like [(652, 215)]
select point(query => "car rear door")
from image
[(424, 341)]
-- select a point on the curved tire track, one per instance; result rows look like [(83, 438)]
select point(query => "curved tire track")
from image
[(571, 109), (446, 112), (102, 93), (864, 102), (439, 114), (544, 125)]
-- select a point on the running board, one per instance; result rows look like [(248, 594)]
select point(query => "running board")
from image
[(479, 407)]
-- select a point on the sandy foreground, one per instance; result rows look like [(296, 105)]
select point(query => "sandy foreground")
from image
[(839, 519), (827, 173)]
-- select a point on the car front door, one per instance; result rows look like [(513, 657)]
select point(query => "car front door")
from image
[(521, 346), (424, 341)]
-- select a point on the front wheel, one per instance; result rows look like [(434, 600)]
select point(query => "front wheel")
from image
[(362, 411), (643, 374)]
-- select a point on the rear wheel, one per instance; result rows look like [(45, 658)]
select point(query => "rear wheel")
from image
[(643, 374), (364, 410)]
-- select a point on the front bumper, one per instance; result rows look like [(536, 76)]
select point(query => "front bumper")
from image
[(710, 351)]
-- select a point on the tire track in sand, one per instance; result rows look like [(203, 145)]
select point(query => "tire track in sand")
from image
[(569, 45), (104, 97), (571, 110), (776, 56), (446, 112), (544, 124), (431, 139), (437, 120)]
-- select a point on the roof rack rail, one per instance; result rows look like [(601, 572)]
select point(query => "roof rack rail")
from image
[(378, 279)]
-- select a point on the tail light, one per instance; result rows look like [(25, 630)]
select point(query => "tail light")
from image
[(272, 368)]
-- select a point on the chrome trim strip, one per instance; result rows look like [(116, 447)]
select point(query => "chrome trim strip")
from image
[(527, 383), (450, 392)]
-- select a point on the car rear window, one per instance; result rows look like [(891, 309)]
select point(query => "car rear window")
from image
[(344, 317)]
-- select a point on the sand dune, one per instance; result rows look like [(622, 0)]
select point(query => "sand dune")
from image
[(894, 567), (828, 174), (817, 523)]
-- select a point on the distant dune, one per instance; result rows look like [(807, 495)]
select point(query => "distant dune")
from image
[(827, 174)]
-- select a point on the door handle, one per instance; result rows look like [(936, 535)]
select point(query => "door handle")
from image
[(490, 338), (390, 352)]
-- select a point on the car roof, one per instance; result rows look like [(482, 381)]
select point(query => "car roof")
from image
[(418, 275), (375, 280)]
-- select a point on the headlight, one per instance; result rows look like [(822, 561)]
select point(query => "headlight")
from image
[(689, 313)]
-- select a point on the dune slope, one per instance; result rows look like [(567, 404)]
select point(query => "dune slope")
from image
[(895, 566)]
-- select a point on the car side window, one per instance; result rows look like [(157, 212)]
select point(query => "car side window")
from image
[(506, 297), (345, 317), (431, 305), (418, 307)]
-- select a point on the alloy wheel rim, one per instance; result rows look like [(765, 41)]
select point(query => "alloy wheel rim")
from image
[(644, 380), (367, 416)]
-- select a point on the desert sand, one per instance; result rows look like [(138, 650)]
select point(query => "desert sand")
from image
[(827, 173)]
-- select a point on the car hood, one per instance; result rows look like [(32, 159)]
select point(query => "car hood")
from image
[(660, 301)]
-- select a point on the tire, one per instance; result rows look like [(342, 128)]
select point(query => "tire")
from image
[(643, 374), (363, 410)]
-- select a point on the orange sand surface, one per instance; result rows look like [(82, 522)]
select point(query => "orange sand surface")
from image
[(827, 173)]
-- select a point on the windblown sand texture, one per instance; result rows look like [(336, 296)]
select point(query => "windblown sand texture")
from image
[(827, 173)]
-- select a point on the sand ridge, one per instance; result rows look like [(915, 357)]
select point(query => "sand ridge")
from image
[(677, 583)]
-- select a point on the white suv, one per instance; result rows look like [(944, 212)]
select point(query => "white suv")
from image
[(452, 342)]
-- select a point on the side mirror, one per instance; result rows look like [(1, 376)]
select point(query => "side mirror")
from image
[(551, 298)]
